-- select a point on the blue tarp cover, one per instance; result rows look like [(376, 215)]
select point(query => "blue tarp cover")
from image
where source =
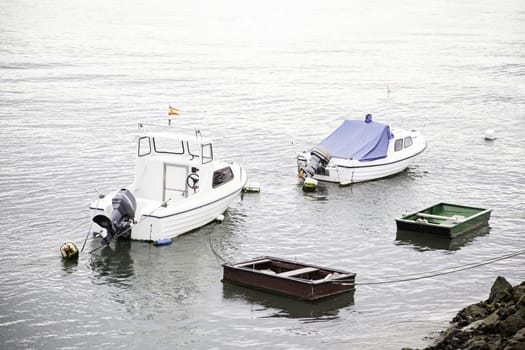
[(358, 140)]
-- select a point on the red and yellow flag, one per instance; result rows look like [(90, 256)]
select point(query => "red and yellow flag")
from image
[(173, 111)]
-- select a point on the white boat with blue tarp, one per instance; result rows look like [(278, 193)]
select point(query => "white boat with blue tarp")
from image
[(360, 150)]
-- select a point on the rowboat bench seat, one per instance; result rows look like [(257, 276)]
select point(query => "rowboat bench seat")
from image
[(297, 272), (253, 263), (455, 218)]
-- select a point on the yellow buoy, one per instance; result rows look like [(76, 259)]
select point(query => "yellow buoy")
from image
[(69, 250), (309, 184)]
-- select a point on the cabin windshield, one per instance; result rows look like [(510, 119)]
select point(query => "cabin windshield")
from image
[(168, 145), (149, 144), (144, 146), (207, 153)]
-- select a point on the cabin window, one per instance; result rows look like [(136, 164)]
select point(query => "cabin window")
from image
[(222, 176), (165, 145), (193, 150), (144, 146), (408, 141), (207, 153), (398, 145)]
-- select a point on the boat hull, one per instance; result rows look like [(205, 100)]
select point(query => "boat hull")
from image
[(154, 227), (348, 174), (154, 221), (308, 285)]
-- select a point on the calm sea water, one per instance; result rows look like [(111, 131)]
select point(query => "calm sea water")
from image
[(265, 79)]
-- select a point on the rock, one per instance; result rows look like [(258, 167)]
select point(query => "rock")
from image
[(513, 323), (495, 324), (501, 291), (477, 344), (517, 342), (490, 322), (517, 293), (470, 314)]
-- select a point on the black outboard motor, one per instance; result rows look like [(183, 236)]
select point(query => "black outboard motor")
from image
[(124, 206), (318, 161)]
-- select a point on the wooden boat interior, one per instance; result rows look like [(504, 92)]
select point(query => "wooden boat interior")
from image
[(444, 214), (290, 269)]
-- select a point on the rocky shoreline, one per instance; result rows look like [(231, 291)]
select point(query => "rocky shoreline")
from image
[(497, 323)]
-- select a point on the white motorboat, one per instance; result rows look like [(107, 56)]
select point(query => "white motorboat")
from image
[(360, 151), (178, 186)]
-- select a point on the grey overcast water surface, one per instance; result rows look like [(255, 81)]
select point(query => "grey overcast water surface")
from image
[(264, 79)]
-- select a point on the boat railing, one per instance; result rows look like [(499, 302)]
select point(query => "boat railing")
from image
[(142, 127)]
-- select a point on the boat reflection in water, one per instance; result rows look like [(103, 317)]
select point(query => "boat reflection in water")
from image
[(113, 265), (422, 241), (327, 308)]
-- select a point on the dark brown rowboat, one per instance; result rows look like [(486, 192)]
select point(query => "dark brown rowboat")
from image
[(290, 278)]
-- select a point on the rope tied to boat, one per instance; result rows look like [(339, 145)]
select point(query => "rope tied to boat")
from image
[(91, 222), (221, 260), (436, 273)]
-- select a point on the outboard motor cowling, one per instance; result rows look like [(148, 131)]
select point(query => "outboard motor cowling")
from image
[(320, 157), (122, 217)]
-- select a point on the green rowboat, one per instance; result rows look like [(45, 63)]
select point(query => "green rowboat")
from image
[(445, 219)]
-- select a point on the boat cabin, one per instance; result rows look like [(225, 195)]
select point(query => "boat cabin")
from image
[(173, 166)]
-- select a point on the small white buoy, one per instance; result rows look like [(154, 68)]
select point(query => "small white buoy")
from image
[(490, 134), (219, 218), (69, 250)]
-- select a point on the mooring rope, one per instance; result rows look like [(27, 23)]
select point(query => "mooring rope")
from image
[(417, 275), (474, 264), (446, 271), (90, 225), (87, 236), (220, 259)]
